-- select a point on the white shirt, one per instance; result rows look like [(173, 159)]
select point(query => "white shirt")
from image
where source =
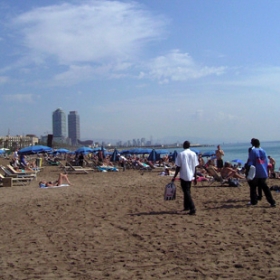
[(15, 155), (123, 158), (187, 161)]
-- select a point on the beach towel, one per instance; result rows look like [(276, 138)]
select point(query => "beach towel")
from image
[(233, 182), (62, 185), (170, 191)]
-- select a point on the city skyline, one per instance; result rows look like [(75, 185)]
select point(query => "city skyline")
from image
[(206, 71)]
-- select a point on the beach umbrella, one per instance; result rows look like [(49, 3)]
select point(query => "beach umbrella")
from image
[(208, 154), (238, 161), (62, 151), (84, 150), (136, 151), (195, 150), (174, 155), (123, 152), (114, 156), (35, 150), (146, 151), (153, 156), (162, 151)]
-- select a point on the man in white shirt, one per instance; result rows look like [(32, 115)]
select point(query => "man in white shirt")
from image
[(186, 163)]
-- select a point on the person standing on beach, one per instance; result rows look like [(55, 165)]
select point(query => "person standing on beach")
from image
[(186, 163), (258, 158), (219, 157), (271, 166)]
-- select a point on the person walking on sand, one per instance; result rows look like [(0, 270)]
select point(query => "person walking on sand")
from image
[(219, 157), (186, 163), (258, 158)]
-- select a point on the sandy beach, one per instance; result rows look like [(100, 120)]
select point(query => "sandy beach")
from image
[(116, 225)]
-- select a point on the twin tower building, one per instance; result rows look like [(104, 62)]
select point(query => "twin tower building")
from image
[(60, 127)]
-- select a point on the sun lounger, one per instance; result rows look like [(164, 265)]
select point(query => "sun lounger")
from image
[(16, 180), (76, 169), (22, 171), (9, 173)]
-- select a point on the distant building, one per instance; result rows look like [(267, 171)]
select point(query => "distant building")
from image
[(18, 141), (73, 127), (59, 123)]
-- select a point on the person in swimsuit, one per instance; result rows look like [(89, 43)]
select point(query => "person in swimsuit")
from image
[(61, 178), (219, 156)]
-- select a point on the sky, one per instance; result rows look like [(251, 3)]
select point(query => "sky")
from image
[(207, 71)]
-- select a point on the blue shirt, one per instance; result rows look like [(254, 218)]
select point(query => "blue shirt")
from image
[(258, 158)]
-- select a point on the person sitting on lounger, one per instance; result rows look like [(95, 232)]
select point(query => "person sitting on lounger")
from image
[(228, 172), (61, 178)]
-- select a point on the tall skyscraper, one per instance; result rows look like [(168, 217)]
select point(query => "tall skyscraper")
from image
[(59, 123), (74, 127)]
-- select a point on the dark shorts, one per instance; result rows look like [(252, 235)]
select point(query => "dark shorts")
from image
[(220, 163)]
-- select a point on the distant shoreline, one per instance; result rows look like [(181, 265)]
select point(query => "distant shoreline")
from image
[(167, 146)]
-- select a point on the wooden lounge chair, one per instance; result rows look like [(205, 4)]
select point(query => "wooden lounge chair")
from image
[(76, 169), (22, 171), (9, 173), (16, 180)]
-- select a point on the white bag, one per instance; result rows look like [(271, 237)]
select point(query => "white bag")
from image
[(170, 191), (251, 173)]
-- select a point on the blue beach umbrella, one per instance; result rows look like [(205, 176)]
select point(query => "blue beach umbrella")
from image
[(174, 155), (62, 151), (238, 161), (84, 150), (35, 150), (208, 154), (146, 151), (153, 156), (114, 156), (162, 151), (124, 152), (195, 150), (136, 151)]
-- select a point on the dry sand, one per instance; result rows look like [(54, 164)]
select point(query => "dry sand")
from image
[(117, 226)]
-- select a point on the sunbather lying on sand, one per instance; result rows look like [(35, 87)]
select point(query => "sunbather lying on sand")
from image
[(61, 178)]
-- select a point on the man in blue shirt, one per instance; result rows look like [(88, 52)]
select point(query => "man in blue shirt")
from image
[(258, 158)]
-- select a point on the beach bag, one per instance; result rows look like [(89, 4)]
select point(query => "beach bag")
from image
[(170, 191), (233, 182), (251, 173)]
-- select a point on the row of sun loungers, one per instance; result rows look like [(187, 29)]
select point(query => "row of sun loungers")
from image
[(13, 177)]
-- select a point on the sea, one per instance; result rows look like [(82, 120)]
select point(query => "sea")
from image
[(240, 151)]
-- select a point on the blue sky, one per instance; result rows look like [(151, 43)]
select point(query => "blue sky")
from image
[(206, 71)]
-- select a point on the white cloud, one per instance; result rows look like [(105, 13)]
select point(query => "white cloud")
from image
[(103, 38), (23, 98), (93, 31), (178, 66)]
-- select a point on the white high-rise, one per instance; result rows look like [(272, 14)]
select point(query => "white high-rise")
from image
[(59, 123), (74, 127)]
